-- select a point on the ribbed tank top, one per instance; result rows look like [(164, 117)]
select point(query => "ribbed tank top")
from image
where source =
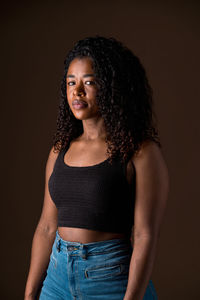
[(96, 197)]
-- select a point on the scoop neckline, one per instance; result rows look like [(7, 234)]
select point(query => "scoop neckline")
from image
[(78, 167)]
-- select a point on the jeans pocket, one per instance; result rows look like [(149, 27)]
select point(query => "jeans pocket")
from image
[(106, 271)]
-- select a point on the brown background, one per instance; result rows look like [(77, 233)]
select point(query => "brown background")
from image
[(35, 37)]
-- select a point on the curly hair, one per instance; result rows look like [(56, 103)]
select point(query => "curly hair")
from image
[(124, 98)]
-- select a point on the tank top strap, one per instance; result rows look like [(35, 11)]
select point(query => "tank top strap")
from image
[(64, 150), (125, 168), (59, 160), (66, 147)]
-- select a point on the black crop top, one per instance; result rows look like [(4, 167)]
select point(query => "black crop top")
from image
[(96, 197)]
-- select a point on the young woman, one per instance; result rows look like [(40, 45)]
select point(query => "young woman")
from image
[(106, 182)]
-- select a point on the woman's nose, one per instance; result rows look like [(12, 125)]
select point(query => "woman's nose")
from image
[(79, 91)]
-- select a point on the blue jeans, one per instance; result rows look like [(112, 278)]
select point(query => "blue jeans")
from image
[(91, 271)]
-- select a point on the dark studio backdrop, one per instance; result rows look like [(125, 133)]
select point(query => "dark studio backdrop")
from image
[(35, 37)]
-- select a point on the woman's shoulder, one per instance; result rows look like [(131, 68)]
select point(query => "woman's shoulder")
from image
[(52, 157), (53, 152), (150, 159), (148, 147)]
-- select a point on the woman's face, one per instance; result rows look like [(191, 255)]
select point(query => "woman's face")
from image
[(82, 89)]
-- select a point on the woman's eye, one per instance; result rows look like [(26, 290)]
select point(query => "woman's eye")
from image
[(89, 82), (70, 82)]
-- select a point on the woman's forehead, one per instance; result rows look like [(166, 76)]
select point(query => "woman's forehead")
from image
[(81, 65)]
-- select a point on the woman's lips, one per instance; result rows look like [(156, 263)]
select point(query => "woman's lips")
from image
[(79, 104)]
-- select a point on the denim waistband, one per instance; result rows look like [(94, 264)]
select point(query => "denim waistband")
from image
[(93, 248)]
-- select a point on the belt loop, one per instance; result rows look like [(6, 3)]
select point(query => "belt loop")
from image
[(58, 244), (84, 252)]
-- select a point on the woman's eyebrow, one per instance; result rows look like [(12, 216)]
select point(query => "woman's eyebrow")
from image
[(85, 75)]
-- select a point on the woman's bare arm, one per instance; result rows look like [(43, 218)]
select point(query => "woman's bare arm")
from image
[(152, 187), (43, 237)]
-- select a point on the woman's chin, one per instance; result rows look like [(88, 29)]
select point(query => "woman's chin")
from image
[(85, 115)]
